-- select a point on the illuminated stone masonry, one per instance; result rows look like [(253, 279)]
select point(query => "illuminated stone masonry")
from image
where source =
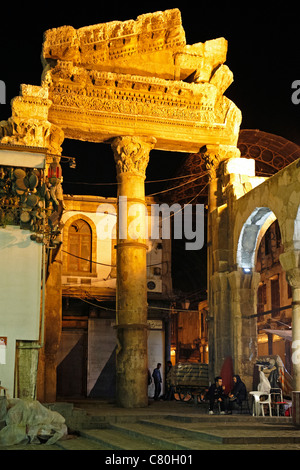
[(127, 78), (29, 125), (139, 78), (135, 85)]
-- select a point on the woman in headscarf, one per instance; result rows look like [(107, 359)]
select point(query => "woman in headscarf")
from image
[(238, 393)]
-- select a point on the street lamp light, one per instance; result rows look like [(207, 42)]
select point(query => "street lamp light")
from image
[(185, 304)]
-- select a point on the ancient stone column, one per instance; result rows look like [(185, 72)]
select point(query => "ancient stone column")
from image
[(214, 155), (46, 379), (217, 256), (131, 156), (243, 327)]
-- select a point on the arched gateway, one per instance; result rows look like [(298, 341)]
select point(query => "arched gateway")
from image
[(250, 205), (135, 85)]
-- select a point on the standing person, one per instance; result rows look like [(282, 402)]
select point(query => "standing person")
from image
[(169, 366), (169, 395), (157, 381), (216, 393)]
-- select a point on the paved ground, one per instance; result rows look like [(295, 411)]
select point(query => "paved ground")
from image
[(165, 428)]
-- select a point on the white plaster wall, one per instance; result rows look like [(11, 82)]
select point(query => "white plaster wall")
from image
[(101, 345), (20, 294), (156, 353)]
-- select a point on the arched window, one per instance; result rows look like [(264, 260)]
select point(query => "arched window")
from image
[(80, 247)]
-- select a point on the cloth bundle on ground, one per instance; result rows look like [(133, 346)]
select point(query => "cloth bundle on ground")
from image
[(27, 421)]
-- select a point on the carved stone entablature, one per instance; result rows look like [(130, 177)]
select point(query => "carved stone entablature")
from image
[(140, 78), (106, 92), (154, 44), (115, 40), (97, 106), (132, 154), (127, 78), (29, 125)]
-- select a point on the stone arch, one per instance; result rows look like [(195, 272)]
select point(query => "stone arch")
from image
[(92, 225), (253, 222), (276, 198), (251, 234)]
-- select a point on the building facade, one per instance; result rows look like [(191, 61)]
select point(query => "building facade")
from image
[(87, 352), (274, 302)]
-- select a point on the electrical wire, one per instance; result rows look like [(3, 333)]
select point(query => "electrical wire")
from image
[(98, 306), (151, 181), (149, 307), (109, 265), (165, 190), (89, 260), (155, 264), (190, 201), (176, 187)]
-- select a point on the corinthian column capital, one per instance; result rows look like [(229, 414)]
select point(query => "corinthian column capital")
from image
[(131, 154), (215, 154), (290, 262)]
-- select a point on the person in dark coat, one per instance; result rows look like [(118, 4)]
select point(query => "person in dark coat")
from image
[(216, 393), (169, 395), (238, 393), (157, 381)]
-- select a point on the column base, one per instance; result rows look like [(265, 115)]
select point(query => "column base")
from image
[(132, 368)]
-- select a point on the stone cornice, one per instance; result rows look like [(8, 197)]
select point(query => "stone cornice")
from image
[(103, 105), (158, 87), (115, 43)]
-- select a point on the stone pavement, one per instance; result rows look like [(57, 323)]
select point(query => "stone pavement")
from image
[(164, 427)]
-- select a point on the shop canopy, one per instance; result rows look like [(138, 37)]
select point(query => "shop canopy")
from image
[(286, 334)]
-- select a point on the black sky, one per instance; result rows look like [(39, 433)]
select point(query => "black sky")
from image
[(263, 54)]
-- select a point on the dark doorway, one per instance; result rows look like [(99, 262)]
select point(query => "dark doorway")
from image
[(71, 370)]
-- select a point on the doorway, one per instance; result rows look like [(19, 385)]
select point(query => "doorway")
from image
[(72, 364)]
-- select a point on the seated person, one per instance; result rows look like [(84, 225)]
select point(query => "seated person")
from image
[(238, 393), (216, 393)]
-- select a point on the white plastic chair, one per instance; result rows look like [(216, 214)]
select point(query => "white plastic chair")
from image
[(265, 402)]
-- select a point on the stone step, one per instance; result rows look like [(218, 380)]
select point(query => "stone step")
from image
[(159, 438), (117, 437), (167, 433), (80, 443), (226, 432), (237, 418), (181, 429), (175, 431)]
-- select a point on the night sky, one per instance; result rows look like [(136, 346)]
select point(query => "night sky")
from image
[(263, 54)]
